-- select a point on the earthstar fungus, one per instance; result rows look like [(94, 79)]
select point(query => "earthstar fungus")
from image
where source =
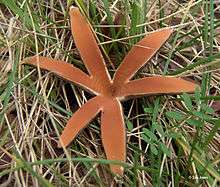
[(109, 92)]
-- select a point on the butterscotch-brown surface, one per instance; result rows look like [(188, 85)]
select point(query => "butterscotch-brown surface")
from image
[(109, 92)]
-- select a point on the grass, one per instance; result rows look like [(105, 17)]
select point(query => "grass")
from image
[(171, 140)]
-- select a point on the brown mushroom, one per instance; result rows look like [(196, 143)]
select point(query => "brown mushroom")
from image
[(109, 92)]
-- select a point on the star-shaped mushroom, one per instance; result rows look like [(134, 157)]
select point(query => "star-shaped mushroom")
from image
[(109, 92)]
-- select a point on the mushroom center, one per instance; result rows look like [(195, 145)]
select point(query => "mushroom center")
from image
[(112, 91)]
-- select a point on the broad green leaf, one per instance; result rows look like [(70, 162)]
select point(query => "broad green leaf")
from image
[(146, 139), (202, 115), (195, 122), (208, 109), (153, 149), (149, 134), (129, 125), (165, 149), (175, 115), (148, 110), (158, 128), (174, 135), (187, 101)]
